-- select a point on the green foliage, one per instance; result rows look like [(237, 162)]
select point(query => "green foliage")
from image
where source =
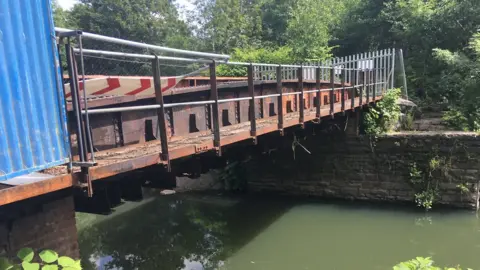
[(463, 187), (416, 175), (462, 85), (49, 260), (421, 263), (26, 254), (48, 256), (150, 21), (281, 55), (407, 121), (223, 25), (425, 179), (383, 117)]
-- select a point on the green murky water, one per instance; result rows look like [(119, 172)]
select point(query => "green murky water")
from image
[(218, 232)]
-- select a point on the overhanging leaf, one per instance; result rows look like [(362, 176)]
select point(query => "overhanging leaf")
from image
[(48, 256), (26, 254)]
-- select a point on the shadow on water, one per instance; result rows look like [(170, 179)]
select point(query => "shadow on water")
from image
[(173, 232)]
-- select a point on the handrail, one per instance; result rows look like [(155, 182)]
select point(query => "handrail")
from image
[(143, 45)]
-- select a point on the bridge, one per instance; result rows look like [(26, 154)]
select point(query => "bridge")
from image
[(119, 124)]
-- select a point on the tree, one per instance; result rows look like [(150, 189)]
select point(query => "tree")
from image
[(308, 29), (61, 17), (223, 25), (275, 17), (149, 21), (461, 82)]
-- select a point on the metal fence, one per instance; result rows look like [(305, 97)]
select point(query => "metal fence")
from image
[(383, 61)]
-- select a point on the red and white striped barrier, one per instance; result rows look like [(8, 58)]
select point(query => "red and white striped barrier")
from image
[(123, 86)]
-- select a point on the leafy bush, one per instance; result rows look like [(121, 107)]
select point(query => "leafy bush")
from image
[(49, 260), (384, 116), (421, 263)]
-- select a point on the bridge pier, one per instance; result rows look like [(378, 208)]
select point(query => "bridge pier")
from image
[(44, 222)]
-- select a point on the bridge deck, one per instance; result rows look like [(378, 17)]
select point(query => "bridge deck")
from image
[(119, 160)]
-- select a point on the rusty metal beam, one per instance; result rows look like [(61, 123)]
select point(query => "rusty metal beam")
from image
[(301, 96), (160, 112), (318, 85), (344, 74), (252, 111), (23, 192), (332, 94), (215, 117), (280, 99)]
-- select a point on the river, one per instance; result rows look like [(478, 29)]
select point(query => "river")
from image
[(209, 231)]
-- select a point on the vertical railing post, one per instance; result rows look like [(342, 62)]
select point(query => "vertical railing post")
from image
[(369, 76), (301, 101), (214, 97), (353, 90), (280, 99), (393, 69), (344, 75), (374, 94), (252, 112), (88, 131), (402, 67), (332, 89), (369, 86), (160, 112), (67, 129), (387, 81), (364, 77), (75, 102), (318, 85)]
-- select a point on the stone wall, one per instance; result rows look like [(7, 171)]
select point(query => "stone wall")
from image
[(345, 165), (40, 223)]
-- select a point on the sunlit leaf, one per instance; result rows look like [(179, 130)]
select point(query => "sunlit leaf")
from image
[(48, 256), (50, 267), (78, 264), (65, 261), (26, 254), (30, 266)]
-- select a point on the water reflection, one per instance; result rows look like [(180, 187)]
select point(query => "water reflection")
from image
[(182, 232), (215, 232)]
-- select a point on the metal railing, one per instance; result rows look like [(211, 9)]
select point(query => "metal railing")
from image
[(360, 76)]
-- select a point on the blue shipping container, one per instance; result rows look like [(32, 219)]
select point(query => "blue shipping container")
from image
[(33, 133)]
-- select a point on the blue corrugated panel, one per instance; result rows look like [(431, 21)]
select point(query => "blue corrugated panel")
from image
[(33, 134)]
